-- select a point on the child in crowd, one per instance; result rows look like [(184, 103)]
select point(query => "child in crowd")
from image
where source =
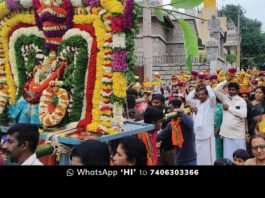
[(240, 156)]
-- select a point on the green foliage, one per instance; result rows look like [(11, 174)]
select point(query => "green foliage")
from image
[(231, 58), (21, 67), (185, 3), (190, 42), (54, 100), (114, 99), (74, 75), (159, 14), (130, 36)]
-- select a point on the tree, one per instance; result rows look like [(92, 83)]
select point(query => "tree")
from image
[(253, 39)]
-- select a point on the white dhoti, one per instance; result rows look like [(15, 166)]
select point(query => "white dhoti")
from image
[(206, 151), (231, 145)]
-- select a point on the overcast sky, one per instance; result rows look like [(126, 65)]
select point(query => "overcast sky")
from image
[(255, 9)]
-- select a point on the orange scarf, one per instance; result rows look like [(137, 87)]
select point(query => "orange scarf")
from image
[(177, 137), (146, 139)]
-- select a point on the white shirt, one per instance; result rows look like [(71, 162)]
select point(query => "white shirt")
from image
[(233, 125), (32, 160), (204, 118)]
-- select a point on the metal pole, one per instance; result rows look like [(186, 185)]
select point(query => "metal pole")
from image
[(147, 40)]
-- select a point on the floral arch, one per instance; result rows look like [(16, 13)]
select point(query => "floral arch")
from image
[(81, 48)]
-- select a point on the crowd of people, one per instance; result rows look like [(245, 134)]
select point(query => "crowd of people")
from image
[(198, 118), (219, 116)]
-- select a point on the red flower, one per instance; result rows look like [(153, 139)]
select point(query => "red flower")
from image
[(117, 24), (104, 109)]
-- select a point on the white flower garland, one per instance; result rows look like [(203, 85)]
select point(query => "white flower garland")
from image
[(58, 27), (118, 41), (12, 54), (105, 118), (26, 3), (77, 3), (102, 12), (49, 10), (3, 101), (89, 40), (25, 52), (117, 119), (106, 79), (107, 69), (107, 22), (102, 104), (105, 94)]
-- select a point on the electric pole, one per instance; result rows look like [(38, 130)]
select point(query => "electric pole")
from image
[(238, 37), (147, 40)]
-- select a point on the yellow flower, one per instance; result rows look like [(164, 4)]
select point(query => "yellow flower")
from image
[(119, 84), (113, 6), (10, 24), (106, 123), (112, 131), (92, 127), (4, 10), (108, 112), (84, 19)]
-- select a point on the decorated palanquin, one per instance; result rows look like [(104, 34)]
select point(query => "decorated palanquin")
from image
[(65, 61)]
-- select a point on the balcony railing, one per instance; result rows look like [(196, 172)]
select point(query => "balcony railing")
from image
[(167, 59)]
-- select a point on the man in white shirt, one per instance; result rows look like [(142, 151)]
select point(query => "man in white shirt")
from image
[(21, 143), (233, 124), (203, 117)]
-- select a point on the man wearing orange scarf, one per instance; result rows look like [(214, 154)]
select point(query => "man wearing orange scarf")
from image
[(177, 139)]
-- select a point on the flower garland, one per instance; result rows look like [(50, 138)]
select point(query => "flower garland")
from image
[(130, 35), (77, 3), (101, 91), (19, 68), (128, 12), (12, 4), (50, 114), (3, 97), (107, 91), (120, 61), (26, 3), (4, 10), (114, 6), (54, 18), (29, 32), (75, 79), (92, 3), (6, 29)]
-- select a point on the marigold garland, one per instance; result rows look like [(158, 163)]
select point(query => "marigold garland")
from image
[(10, 23), (52, 118), (4, 10)]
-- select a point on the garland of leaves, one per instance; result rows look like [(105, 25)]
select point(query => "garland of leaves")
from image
[(131, 60), (74, 74), (20, 62)]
